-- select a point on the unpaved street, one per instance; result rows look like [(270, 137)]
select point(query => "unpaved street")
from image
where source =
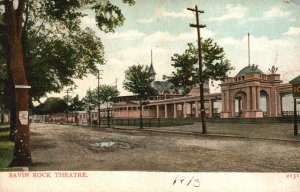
[(61, 147)]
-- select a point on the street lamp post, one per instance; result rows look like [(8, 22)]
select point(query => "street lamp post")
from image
[(296, 94)]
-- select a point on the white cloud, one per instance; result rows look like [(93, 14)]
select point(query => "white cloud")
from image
[(144, 20), (161, 37), (275, 12), (229, 41), (163, 44), (121, 54), (233, 12), (293, 31), (263, 52), (126, 35), (162, 12)]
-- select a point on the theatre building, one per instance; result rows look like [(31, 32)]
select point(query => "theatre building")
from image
[(252, 94), (249, 94)]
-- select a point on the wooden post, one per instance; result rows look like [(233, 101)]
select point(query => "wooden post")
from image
[(295, 117), (198, 26)]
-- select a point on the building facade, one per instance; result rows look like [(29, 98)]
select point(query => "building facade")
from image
[(250, 94)]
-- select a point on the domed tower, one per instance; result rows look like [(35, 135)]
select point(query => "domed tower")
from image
[(251, 93), (250, 69)]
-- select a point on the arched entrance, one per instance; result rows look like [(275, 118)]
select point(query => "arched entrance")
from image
[(264, 103), (240, 104)]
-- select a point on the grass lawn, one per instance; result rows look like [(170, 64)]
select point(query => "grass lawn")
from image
[(6, 146)]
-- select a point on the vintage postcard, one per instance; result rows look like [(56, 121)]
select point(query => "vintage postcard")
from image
[(160, 95)]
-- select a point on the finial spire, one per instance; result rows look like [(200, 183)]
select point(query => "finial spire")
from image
[(151, 71), (151, 56), (249, 49)]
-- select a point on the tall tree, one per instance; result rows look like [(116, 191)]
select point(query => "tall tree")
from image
[(106, 93), (76, 104), (14, 22), (57, 48), (43, 22), (186, 76), (3, 107), (138, 81), (90, 103), (52, 105)]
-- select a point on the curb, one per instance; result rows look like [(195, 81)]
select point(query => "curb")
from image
[(195, 133), (201, 135)]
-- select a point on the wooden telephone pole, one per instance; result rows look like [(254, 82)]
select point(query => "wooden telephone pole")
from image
[(67, 110), (98, 97), (198, 26)]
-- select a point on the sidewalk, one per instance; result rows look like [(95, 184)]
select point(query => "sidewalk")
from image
[(272, 131)]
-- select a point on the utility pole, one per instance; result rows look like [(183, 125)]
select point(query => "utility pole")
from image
[(116, 83), (67, 91), (98, 97), (89, 120), (198, 26), (295, 117)]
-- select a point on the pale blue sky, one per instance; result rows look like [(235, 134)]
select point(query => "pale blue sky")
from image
[(252, 18), (163, 26)]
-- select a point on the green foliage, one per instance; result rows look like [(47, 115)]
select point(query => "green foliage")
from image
[(52, 105), (90, 100), (6, 146), (106, 92), (215, 65), (184, 77), (56, 48), (60, 60), (138, 82), (76, 104)]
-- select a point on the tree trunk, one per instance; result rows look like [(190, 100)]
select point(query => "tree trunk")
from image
[(108, 118), (89, 117), (2, 117), (12, 106), (12, 123), (14, 20), (2, 111), (141, 115)]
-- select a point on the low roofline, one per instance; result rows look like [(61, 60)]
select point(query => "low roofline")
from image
[(295, 80)]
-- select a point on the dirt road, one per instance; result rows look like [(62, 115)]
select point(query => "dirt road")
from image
[(61, 147)]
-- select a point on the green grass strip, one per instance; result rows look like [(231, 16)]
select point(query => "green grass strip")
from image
[(6, 146)]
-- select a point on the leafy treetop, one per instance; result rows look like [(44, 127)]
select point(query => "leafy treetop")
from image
[(186, 76)]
